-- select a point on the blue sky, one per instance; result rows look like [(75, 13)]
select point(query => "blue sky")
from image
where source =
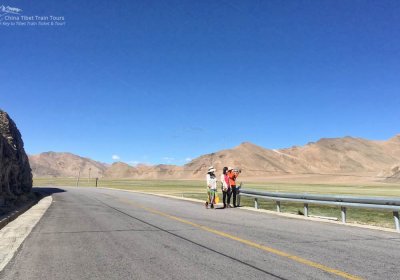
[(167, 81)]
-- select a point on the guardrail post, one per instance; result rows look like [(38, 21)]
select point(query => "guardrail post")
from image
[(256, 203), (396, 220), (343, 214), (278, 206), (306, 209)]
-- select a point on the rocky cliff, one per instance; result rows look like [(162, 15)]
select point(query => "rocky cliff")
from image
[(15, 171)]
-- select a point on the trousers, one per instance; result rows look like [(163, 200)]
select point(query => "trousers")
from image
[(234, 192), (226, 197)]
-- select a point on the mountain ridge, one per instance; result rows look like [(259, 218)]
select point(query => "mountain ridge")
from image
[(346, 155)]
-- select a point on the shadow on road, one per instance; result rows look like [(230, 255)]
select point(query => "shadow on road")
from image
[(47, 191), (13, 209)]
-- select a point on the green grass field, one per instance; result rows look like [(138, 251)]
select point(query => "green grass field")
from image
[(196, 189)]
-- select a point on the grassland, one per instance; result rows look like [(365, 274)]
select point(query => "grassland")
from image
[(196, 189)]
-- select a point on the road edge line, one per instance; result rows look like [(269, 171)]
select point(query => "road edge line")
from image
[(26, 222), (286, 215)]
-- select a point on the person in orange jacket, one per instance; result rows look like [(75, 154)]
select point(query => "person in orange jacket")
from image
[(233, 174)]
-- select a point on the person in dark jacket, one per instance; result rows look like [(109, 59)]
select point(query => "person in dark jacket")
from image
[(226, 188)]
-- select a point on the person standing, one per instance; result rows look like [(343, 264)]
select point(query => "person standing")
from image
[(226, 188), (233, 174), (211, 186)]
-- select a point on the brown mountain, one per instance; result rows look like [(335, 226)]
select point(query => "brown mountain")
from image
[(52, 164), (328, 156), (346, 155), (391, 175), (142, 171), (252, 159)]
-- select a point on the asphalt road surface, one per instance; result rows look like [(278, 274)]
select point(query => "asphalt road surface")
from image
[(90, 233)]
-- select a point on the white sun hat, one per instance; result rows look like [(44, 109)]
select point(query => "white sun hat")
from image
[(211, 169)]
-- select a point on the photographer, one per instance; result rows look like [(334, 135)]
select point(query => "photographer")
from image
[(233, 174)]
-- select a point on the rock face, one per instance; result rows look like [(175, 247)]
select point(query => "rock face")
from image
[(15, 171)]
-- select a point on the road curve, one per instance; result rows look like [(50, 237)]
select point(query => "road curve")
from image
[(90, 233)]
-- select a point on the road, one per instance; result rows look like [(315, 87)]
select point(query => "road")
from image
[(90, 233)]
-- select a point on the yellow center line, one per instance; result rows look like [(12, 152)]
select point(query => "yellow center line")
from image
[(250, 243)]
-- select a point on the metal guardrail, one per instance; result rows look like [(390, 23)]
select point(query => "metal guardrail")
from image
[(344, 201)]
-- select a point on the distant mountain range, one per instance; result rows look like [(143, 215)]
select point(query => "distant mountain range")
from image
[(328, 156), (52, 164)]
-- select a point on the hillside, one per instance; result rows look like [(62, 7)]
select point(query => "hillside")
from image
[(327, 156), (346, 155), (392, 175), (253, 159), (52, 164), (142, 171)]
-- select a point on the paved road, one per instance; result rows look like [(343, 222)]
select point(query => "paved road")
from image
[(92, 233)]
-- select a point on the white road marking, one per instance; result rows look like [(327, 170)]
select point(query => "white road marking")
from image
[(13, 234)]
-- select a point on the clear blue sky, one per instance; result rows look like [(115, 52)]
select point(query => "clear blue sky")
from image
[(165, 81)]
